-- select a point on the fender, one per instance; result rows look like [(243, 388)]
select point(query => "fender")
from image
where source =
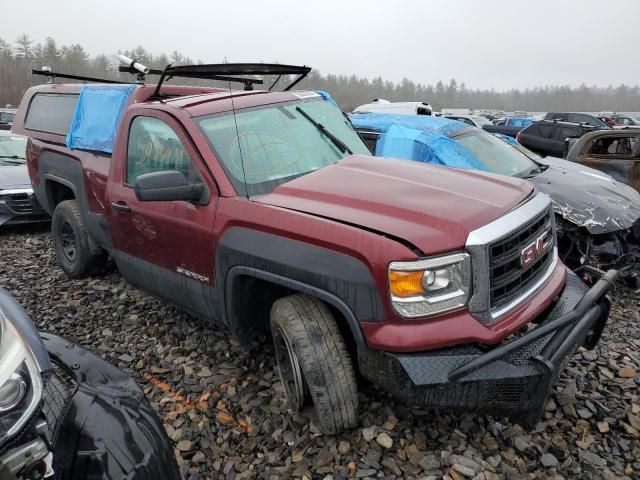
[(323, 295), (57, 168), (341, 280)]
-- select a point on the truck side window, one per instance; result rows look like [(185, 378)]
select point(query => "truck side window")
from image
[(153, 147)]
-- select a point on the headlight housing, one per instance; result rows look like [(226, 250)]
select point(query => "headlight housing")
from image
[(430, 286), (20, 381)]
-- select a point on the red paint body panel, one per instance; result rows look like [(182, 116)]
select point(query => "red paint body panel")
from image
[(433, 208)]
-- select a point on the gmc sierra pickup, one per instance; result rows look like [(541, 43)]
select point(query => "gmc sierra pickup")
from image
[(257, 211)]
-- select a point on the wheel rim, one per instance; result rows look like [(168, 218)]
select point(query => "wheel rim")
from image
[(68, 242), (290, 372)]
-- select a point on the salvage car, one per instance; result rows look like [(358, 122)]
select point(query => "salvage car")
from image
[(263, 211), (6, 118), (617, 153), (552, 137), (510, 126), (598, 217), (579, 118), (473, 120), (66, 413), (626, 120), (18, 205)]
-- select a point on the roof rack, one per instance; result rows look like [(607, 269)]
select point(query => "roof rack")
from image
[(54, 75), (228, 72)]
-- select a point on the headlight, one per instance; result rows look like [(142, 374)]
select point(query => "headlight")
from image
[(20, 381), (430, 286)]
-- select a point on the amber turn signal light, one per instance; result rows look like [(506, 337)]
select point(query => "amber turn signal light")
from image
[(406, 284)]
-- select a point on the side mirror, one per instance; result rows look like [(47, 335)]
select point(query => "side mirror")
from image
[(167, 186)]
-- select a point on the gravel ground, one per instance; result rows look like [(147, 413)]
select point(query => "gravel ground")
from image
[(223, 406)]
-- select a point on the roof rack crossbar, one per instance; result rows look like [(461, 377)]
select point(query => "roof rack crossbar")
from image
[(228, 72), (49, 73)]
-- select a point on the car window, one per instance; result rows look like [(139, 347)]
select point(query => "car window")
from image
[(546, 131), (581, 118), (12, 149), (153, 147), (612, 146), (568, 132), (51, 112)]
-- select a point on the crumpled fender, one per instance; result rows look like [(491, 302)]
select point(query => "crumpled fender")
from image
[(587, 197)]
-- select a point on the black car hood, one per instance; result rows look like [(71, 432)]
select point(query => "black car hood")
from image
[(587, 197), (14, 176)]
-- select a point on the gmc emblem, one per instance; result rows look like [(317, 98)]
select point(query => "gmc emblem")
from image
[(536, 249)]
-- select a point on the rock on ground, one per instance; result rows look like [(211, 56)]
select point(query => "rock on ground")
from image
[(223, 406)]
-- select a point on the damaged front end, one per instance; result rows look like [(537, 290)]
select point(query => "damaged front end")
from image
[(597, 218), (619, 249)]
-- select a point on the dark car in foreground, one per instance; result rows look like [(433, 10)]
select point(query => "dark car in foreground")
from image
[(18, 205), (552, 137), (598, 217), (614, 152), (67, 414)]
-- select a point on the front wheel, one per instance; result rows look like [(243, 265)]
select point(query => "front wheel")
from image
[(313, 361), (71, 242)]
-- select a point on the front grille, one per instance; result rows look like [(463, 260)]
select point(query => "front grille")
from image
[(508, 278), (22, 203)]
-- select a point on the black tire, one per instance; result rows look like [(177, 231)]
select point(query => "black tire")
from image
[(72, 244), (313, 361)]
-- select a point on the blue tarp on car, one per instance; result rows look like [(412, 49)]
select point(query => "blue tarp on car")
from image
[(422, 138), (97, 117)]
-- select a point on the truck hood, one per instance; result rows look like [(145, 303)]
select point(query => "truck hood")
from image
[(587, 197), (14, 176), (433, 208)]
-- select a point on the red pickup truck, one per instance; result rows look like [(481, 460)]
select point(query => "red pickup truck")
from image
[(263, 211)]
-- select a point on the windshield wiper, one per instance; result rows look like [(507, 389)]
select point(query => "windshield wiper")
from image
[(340, 145), (16, 158)]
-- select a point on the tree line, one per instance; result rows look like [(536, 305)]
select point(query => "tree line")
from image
[(18, 58)]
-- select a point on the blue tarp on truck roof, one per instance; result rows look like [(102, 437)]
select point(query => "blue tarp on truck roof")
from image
[(97, 117), (421, 137)]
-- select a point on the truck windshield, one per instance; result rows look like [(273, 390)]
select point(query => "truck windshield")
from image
[(496, 155), (277, 143)]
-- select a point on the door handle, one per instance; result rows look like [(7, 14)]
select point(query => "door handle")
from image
[(121, 207)]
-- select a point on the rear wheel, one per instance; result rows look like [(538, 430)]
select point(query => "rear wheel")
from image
[(71, 242), (313, 362)]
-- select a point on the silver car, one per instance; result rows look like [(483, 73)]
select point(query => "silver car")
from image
[(17, 202)]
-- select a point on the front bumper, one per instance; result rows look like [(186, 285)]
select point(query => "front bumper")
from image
[(100, 423), (20, 207), (513, 378)]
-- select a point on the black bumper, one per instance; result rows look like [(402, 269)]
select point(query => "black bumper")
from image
[(101, 424), (512, 379)]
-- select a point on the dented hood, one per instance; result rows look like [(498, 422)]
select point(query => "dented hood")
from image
[(433, 208), (587, 197)]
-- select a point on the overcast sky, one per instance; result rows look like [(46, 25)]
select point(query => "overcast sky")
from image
[(489, 43)]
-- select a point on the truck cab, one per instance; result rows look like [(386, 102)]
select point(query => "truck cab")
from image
[(262, 211)]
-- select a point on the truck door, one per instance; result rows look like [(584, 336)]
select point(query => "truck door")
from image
[(165, 247)]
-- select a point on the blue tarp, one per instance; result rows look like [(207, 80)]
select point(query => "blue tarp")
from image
[(97, 117), (326, 97), (422, 138)]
